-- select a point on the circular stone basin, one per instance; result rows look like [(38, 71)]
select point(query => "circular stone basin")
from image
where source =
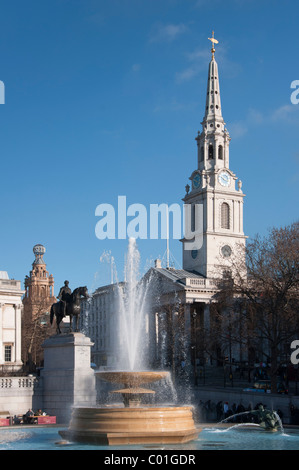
[(133, 424), (131, 379), (118, 426)]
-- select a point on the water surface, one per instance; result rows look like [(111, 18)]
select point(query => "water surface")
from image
[(210, 438)]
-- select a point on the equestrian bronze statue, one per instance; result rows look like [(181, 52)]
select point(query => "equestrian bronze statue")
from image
[(68, 305)]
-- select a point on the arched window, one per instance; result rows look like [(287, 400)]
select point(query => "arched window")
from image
[(220, 152), (211, 152), (225, 215)]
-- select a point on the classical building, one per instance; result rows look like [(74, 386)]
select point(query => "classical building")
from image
[(37, 301), (98, 320), (10, 323)]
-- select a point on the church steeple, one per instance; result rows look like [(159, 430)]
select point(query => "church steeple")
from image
[(213, 141), (213, 102), (216, 210)]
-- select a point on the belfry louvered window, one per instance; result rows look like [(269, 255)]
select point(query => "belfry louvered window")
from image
[(225, 215), (202, 154), (193, 218), (220, 152)]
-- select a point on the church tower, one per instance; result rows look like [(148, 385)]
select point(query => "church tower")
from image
[(37, 301), (215, 204), (39, 287)]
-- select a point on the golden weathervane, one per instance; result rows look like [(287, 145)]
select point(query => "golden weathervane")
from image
[(213, 41)]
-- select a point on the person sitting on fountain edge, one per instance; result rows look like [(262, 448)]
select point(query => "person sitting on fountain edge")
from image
[(63, 296)]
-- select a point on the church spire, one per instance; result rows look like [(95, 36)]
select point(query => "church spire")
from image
[(213, 102), (213, 141), (215, 204)]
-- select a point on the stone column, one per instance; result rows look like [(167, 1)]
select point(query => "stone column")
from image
[(206, 325), (153, 339), (68, 379), (206, 317), (1, 334), (187, 334), (18, 334)]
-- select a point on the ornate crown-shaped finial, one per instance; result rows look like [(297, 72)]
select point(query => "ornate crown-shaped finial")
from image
[(39, 251)]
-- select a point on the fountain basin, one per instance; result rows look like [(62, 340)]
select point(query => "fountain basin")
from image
[(131, 379), (132, 393), (120, 426), (133, 423)]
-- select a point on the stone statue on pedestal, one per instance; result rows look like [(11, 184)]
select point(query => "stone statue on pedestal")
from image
[(68, 304)]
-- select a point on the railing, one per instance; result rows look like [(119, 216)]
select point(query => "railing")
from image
[(208, 283), (18, 382), (5, 383), (196, 282), (9, 283)]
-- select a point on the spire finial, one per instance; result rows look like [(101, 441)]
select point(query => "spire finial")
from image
[(213, 41)]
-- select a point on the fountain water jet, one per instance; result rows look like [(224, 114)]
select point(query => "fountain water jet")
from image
[(132, 313), (132, 423), (268, 420)]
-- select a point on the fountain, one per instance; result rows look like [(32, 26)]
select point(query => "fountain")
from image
[(268, 420), (132, 422)]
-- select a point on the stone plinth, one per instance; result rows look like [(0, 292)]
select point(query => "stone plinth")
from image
[(67, 376)]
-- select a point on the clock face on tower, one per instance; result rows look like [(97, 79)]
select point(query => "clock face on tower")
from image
[(196, 181), (226, 251), (224, 178)]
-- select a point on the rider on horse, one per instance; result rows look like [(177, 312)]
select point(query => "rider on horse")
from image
[(64, 297), (69, 305)]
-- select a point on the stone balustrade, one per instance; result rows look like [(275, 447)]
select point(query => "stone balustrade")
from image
[(18, 394), (17, 382), (203, 283)]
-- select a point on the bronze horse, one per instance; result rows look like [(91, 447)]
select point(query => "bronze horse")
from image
[(72, 308)]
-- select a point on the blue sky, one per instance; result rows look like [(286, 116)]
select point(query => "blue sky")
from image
[(105, 98)]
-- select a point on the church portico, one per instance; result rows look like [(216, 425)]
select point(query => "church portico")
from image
[(181, 320)]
